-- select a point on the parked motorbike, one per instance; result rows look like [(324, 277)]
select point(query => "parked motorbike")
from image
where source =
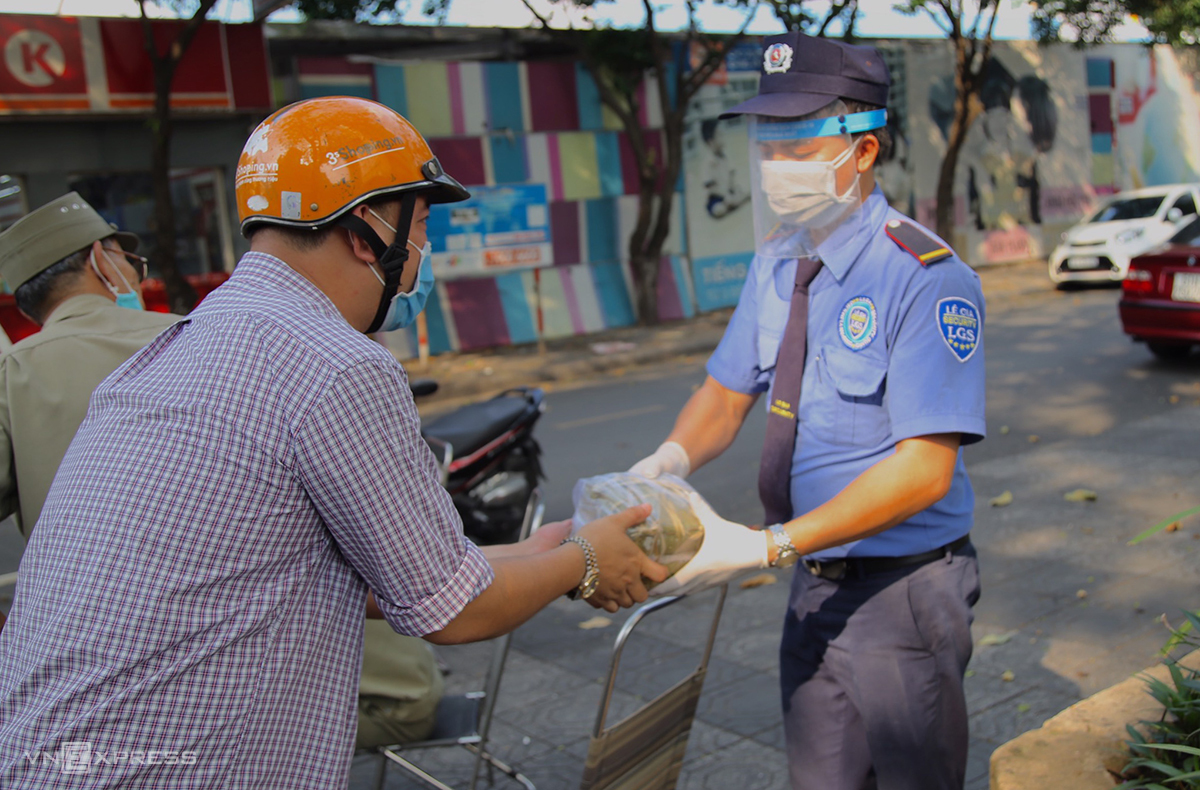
[(489, 460)]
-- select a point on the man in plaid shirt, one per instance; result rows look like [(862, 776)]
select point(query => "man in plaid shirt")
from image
[(189, 609)]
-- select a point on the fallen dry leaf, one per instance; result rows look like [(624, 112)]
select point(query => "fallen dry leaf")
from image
[(758, 580), (599, 621), (1081, 594), (1008, 676), (1033, 437), (995, 639), (1003, 429), (1080, 495), (1174, 399), (1003, 500), (1173, 526)]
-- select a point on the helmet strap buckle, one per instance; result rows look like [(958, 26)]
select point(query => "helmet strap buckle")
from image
[(391, 258)]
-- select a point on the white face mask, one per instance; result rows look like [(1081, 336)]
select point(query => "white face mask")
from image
[(804, 193)]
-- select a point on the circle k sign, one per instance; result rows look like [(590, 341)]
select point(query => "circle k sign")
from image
[(34, 58)]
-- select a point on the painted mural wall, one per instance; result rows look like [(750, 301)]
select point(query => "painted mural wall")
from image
[(1061, 128), (540, 123)]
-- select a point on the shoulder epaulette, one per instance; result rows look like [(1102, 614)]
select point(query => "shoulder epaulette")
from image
[(916, 242)]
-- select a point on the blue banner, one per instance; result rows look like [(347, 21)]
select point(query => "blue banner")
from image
[(497, 229)]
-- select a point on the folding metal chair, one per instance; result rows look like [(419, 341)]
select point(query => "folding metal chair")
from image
[(645, 750), (465, 719)]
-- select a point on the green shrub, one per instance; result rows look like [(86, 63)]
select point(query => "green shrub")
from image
[(1166, 752)]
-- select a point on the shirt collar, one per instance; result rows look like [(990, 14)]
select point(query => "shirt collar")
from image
[(76, 306), (847, 244), (259, 268)]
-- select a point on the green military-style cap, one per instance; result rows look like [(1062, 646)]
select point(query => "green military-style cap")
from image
[(44, 237)]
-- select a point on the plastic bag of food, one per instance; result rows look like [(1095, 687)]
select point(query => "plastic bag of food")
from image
[(671, 535)]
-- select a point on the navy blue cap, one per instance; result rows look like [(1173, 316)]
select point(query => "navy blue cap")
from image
[(801, 74)]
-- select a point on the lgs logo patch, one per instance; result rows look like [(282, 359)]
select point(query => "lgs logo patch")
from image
[(959, 323)]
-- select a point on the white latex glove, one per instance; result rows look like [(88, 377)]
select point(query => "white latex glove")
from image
[(728, 551), (670, 458)]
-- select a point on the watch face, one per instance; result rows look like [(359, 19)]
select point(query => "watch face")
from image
[(589, 585), (786, 561)]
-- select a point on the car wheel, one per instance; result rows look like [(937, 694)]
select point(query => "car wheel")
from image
[(1169, 351)]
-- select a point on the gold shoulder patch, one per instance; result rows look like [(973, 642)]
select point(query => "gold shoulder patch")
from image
[(916, 242)]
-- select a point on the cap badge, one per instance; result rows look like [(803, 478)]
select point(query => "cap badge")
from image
[(777, 59)]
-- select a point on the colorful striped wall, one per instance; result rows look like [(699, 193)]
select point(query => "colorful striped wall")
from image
[(527, 122)]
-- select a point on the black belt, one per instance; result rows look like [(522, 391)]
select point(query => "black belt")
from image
[(865, 566)]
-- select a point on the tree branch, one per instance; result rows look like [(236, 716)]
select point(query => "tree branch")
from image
[(184, 39), (713, 59), (148, 35), (626, 111), (945, 25), (835, 11), (545, 22)]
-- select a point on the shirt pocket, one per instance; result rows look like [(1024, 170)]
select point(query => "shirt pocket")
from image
[(849, 404), (772, 320)]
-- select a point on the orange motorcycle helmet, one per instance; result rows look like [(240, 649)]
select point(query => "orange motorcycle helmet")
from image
[(311, 162)]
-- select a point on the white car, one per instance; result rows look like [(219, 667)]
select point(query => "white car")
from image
[(1124, 226)]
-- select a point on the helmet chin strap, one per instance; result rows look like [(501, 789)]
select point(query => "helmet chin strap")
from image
[(391, 258)]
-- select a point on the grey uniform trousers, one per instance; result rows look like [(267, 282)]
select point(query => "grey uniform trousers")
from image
[(871, 670)]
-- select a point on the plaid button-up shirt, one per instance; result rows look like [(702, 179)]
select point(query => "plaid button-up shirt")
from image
[(189, 611)]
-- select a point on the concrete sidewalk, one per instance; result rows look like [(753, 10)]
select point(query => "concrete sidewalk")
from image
[(577, 360)]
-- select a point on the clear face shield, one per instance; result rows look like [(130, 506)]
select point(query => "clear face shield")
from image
[(805, 181)]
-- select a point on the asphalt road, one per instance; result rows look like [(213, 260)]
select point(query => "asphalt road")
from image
[(1058, 368)]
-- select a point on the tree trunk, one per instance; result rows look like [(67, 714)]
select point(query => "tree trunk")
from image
[(181, 297), (643, 259), (966, 110)]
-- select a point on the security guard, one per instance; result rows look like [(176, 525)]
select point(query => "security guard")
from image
[(865, 330), (74, 275)]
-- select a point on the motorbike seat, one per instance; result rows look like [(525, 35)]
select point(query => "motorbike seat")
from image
[(471, 427)]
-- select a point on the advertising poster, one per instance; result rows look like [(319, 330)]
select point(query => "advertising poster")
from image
[(720, 223), (1157, 111), (498, 229), (1024, 173)]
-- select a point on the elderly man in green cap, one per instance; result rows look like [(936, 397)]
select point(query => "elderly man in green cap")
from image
[(75, 275)]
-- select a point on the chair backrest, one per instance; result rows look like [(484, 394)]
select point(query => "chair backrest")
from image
[(645, 750)]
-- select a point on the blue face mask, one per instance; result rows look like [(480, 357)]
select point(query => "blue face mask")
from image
[(405, 307), (129, 299)]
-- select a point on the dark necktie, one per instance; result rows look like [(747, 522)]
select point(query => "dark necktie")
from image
[(775, 472)]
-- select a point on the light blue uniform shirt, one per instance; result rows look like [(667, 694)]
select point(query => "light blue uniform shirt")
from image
[(895, 351)]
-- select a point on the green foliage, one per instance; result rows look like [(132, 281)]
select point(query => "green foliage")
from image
[(1090, 22), (958, 19), (1166, 522), (1166, 756), (355, 10), (368, 10)]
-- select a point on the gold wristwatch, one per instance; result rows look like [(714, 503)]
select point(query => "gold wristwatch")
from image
[(787, 555), (591, 576)]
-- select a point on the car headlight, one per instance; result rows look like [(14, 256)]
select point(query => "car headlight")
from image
[(1126, 236)]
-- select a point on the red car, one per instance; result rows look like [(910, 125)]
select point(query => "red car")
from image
[(1160, 295)]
